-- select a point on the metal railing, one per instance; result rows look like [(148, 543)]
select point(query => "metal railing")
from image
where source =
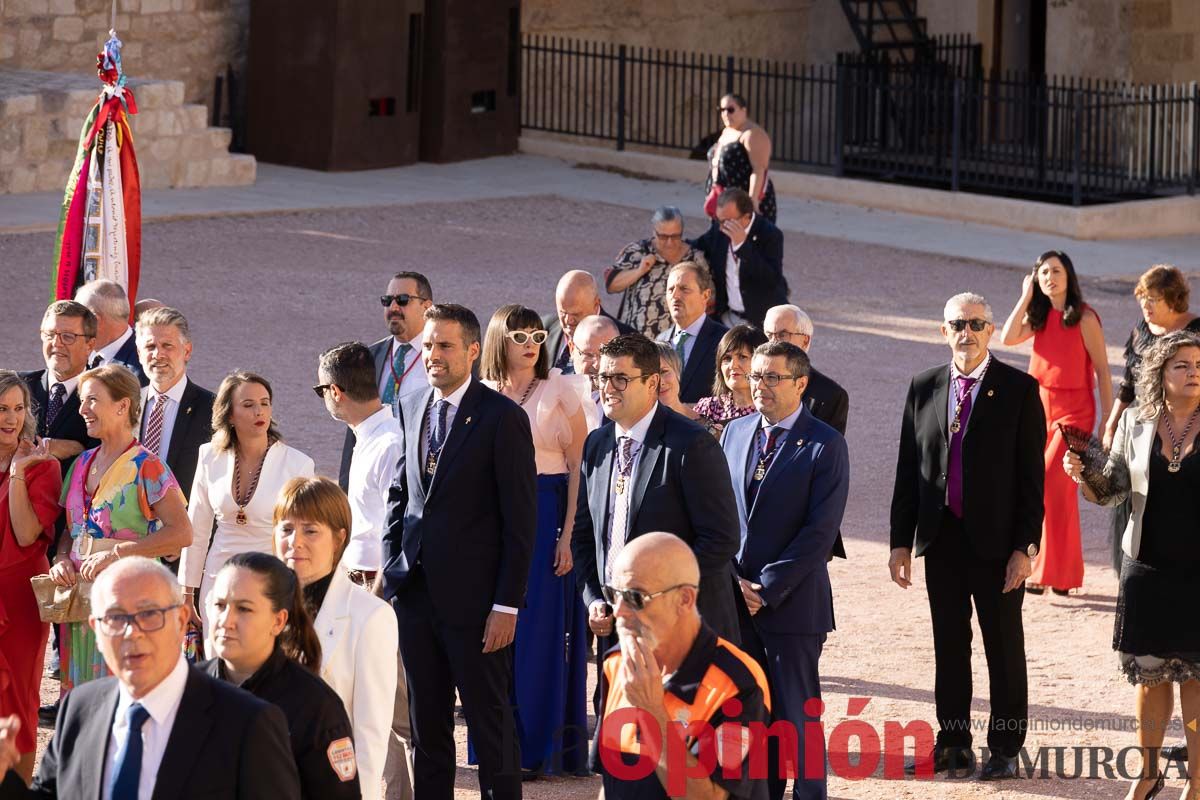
[(945, 124)]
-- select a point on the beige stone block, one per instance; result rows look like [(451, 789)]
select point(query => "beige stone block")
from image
[(196, 173), (35, 132), (52, 175), (219, 138), (9, 158), (62, 7), (244, 171), (145, 123), (156, 6), (18, 104), (194, 117), (10, 137), (68, 29), (164, 149), (24, 8), (30, 39), (8, 45), (195, 147), (1152, 14), (21, 180), (221, 172)]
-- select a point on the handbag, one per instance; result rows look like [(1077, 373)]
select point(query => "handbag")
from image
[(57, 604), (710, 202)]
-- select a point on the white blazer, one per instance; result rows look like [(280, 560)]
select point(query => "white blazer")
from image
[(359, 647), (1133, 442)]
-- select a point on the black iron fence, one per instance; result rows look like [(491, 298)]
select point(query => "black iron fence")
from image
[(945, 124)]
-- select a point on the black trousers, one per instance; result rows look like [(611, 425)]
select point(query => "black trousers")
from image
[(955, 577), (438, 659)]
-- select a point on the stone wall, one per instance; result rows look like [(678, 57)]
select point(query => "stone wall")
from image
[(186, 40), (1144, 41)]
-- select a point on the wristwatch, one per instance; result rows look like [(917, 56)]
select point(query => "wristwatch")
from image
[(1031, 551)]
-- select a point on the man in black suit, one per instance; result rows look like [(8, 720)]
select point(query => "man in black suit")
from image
[(176, 413), (745, 253), (399, 369), (651, 469), (115, 342), (461, 521), (968, 494), (693, 335), (68, 333), (158, 727), (577, 296)]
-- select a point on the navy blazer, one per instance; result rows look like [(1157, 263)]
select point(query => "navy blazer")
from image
[(68, 424), (472, 533), (701, 367), (127, 356), (554, 331), (790, 528), (681, 487), (760, 267)]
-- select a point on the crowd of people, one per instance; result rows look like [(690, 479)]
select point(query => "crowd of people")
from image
[(657, 492)]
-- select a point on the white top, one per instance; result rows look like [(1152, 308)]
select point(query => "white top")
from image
[(162, 703), (109, 351), (378, 447), (172, 398), (733, 278), (692, 331), (415, 377), (554, 403)]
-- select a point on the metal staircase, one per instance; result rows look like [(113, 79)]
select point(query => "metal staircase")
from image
[(890, 28)]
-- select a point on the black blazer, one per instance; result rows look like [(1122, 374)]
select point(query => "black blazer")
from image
[(127, 355), (554, 331), (681, 487), (193, 427), (68, 424), (701, 367), (760, 267), (379, 351), (472, 534), (225, 743), (828, 402), (1003, 468)]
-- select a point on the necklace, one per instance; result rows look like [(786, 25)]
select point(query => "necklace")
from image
[(528, 391), (955, 425), (1177, 444), (243, 500)]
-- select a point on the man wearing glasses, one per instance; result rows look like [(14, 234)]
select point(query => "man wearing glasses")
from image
[(576, 298), (399, 370), (791, 477), (68, 333), (651, 469), (968, 495), (156, 727)]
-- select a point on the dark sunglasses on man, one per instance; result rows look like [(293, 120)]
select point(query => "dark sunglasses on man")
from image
[(636, 598), (977, 325), (400, 299)]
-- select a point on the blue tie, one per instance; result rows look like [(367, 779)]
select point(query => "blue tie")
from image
[(129, 760)]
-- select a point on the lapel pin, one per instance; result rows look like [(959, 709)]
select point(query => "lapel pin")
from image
[(991, 392), (467, 421), (188, 410)]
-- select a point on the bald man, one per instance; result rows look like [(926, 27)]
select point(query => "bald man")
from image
[(665, 652), (576, 297)]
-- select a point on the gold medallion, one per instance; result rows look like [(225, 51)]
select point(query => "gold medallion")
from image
[(955, 427), (760, 471), (241, 516), (430, 464), (620, 486)]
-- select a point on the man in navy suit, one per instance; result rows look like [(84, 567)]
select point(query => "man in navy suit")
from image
[(791, 474), (693, 335), (576, 297), (461, 521), (115, 342)]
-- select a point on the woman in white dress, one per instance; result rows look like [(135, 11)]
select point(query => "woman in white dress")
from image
[(238, 476)]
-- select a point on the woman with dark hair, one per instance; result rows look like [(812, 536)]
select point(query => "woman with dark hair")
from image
[(740, 159), (264, 642), (1153, 464), (238, 475), (1069, 361), (731, 396), (549, 656)]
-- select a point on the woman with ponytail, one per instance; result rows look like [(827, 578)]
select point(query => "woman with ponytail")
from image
[(265, 643)]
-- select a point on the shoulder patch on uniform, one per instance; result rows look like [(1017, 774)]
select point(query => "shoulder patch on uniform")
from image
[(341, 758)]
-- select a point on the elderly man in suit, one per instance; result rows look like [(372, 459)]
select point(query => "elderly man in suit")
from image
[(745, 253), (399, 368), (461, 522), (791, 477), (576, 297), (115, 342), (693, 335), (68, 334), (968, 495), (156, 728)]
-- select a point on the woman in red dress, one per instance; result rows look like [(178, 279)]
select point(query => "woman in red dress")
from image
[(30, 482), (1069, 362)]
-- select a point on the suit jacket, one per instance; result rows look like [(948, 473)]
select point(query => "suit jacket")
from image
[(225, 743), (127, 355), (791, 526), (681, 487), (68, 424), (193, 427), (760, 267), (472, 532), (554, 331), (1003, 464), (830, 403), (359, 642), (701, 367)]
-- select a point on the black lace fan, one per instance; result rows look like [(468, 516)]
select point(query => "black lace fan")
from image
[(1103, 478)]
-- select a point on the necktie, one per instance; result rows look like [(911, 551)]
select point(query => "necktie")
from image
[(58, 395), (97, 361), (437, 438), (154, 426), (622, 488), (397, 373), (763, 457), (954, 481), (681, 340), (129, 759), (564, 358)]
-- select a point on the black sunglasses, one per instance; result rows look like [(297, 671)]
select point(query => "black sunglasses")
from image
[(386, 300), (977, 325), (727, 109), (636, 598), (321, 389)]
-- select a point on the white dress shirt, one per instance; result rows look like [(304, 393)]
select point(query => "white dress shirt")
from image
[(378, 446), (413, 376), (692, 331), (162, 703), (733, 278), (109, 351), (172, 398)]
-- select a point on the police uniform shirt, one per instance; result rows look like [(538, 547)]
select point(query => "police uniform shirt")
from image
[(713, 672), (320, 730)]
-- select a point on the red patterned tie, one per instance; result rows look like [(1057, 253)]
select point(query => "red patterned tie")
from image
[(154, 425)]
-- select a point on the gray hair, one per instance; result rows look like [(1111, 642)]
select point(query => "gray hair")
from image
[(704, 278), (165, 315), (667, 214), (967, 299), (105, 298), (11, 380), (132, 567), (804, 323), (1150, 395)]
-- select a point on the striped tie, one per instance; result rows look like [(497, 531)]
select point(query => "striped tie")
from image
[(154, 426)]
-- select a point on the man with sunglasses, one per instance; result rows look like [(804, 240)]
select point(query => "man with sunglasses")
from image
[(969, 497), (651, 469), (791, 478), (399, 370), (576, 297), (156, 727)]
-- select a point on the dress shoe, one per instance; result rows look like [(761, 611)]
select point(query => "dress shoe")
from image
[(998, 768), (528, 775), (1062, 592), (958, 761), (1034, 588), (1174, 752), (47, 716)]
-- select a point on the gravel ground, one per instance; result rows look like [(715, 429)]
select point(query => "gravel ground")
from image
[(270, 292)]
